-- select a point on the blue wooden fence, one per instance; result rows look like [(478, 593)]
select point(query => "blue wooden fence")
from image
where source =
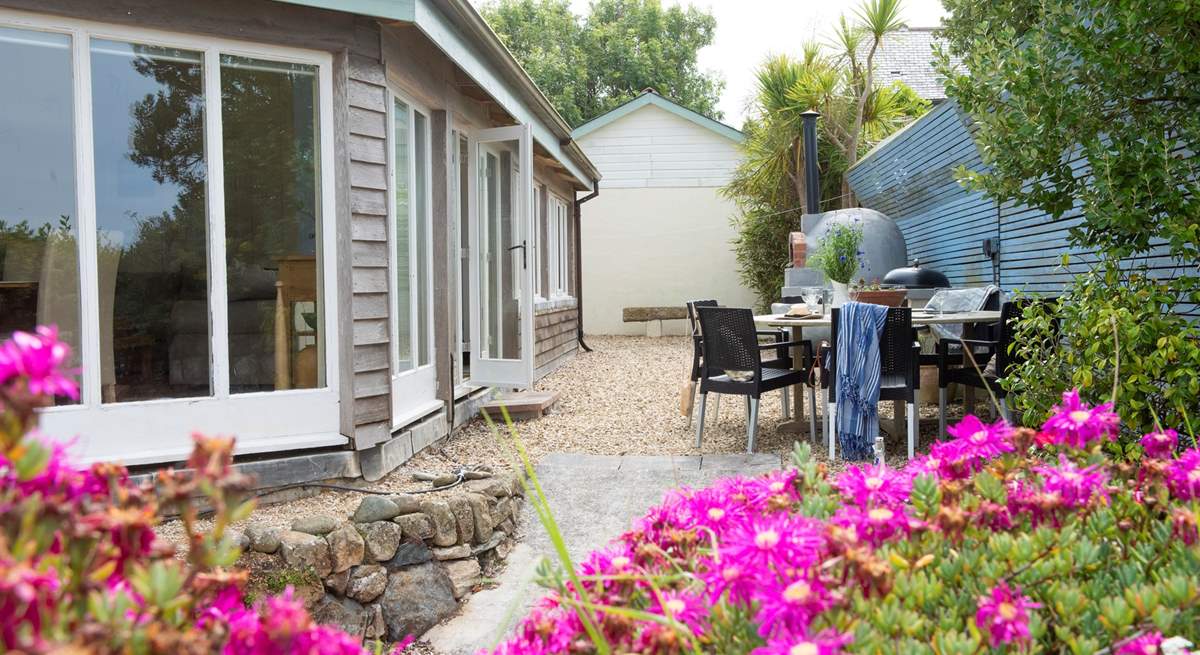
[(910, 177)]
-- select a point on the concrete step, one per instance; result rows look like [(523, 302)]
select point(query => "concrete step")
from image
[(522, 405)]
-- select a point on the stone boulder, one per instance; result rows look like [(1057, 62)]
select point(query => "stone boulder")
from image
[(375, 508), (453, 552), (409, 553), (301, 550), (346, 547), (406, 503), (336, 582), (381, 539), (263, 539), (464, 574), (482, 515), (416, 527), (493, 487), (416, 599), (317, 524), (445, 526), (464, 519), (350, 616), (367, 582)]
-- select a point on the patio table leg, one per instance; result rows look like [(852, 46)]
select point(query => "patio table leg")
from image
[(796, 424)]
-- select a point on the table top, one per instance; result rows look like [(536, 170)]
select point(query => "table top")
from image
[(919, 317)]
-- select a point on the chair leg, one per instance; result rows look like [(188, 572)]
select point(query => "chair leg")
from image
[(831, 426), (941, 413), (752, 430), (786, 404), (700, 420), (912, 429), (693, 405), (747, 409), (1004, 411), (717, 410), (812, 414)]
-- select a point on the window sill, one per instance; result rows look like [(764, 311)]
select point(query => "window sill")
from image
[(561, 302)]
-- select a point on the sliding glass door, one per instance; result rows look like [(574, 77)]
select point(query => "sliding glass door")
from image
[(413, 373), (502, 265), (163, 201)]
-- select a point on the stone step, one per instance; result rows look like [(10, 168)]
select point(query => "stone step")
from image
[(522, 405)]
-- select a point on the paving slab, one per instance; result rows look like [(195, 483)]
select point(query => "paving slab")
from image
[(594, 499)]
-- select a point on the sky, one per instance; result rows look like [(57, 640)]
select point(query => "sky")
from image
[(750, 30)]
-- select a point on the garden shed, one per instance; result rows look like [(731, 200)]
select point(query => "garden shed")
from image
[(311, 225), (660, 218)]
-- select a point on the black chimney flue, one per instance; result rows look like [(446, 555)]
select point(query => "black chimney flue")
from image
[(812, 176)]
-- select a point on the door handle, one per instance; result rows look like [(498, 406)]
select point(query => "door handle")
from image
[(524, 263)]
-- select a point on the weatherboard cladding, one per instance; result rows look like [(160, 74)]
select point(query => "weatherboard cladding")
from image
[(911, 179)]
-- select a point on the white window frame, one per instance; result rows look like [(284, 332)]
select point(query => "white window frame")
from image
[(559, 249), (535, 239), (159, 430), (414, 391)]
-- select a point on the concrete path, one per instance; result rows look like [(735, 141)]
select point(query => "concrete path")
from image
[(594, 498)]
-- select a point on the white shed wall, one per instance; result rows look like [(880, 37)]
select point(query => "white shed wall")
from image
[(652, 147)]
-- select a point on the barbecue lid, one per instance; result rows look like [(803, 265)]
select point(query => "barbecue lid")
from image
[(915, 277)]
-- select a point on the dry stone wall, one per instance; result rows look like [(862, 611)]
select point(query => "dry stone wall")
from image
[(400, 563)]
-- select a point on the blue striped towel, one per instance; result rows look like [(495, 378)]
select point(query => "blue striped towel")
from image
[(858, 376)]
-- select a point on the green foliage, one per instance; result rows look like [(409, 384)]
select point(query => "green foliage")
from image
[(1087, 106), (768, 185), (838, 255), (1114, 330), (589, 65)]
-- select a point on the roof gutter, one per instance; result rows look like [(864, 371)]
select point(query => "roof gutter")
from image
[(579, 263)]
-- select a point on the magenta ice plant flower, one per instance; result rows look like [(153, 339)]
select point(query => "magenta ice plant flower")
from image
[(788, 606), (1183, 475), (981, 440), (1160, 444), (1075, 486), (874, 485), (874, 525), (826, 642), (1075, 424), (1004, 615), (683, 607), (38, 358), (1147, 644), (778, 543)]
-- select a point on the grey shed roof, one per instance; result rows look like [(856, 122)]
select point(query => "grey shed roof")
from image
[(907, 56)]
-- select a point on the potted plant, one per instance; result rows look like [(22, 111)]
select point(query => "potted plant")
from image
[(837, 258), (875, 294)]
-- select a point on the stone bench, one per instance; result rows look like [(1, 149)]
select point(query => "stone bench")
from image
[(653, 317)]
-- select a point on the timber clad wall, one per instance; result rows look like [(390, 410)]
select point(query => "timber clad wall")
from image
[(911, 179), (367, 141), (555, 338)]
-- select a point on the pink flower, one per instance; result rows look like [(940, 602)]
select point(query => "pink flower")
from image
[(1161, 444), (38, 358), (1183, 475), (981, 440), (1075, 424), (1004, 615), (1147, 644), (875, 525), (683, 607), (780, 543), (403, 644), (788, 606), (875, 485), (733, 578), (826, 642), (1074, 485)]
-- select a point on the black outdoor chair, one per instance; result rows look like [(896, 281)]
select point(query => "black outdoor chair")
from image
[(955, 367), (733, 364), (781, 359), (900, 375)]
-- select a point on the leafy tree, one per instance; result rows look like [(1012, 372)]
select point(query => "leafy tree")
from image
[(1092, 106), (768, 185), (589, 65)]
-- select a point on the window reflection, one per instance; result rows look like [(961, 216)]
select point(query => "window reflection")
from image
[(272, 210), (148, 131), (401, 164), (39, 270)]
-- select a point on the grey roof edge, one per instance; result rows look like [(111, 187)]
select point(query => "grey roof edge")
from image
[(651, 97), (947, 105)]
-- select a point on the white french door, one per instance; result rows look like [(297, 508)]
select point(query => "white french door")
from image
[(501, 264), (414, 379)]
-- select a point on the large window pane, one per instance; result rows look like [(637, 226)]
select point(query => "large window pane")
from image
[(151, 221), (39, 269), (400, 168), (272, 213), (499, 237), (421, 235)]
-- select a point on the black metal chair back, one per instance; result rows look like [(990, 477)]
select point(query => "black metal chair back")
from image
[(730, 340), (697, 338)]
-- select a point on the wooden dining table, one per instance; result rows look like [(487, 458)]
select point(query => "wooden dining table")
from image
[(797, 326)]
